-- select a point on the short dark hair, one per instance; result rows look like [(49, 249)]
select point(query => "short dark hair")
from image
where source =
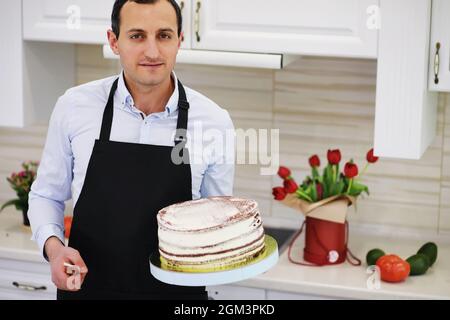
[(115, 16)]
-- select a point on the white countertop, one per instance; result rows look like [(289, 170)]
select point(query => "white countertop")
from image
[(15, 240), (347, 281), (340, 281)]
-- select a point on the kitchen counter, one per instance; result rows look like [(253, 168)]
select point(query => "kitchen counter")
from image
[(15, 240), (350, 282), (340, 281)]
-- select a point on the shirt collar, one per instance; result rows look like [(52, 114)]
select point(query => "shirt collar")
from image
[(126, 100)]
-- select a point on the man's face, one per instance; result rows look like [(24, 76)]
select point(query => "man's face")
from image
[(148, 42)]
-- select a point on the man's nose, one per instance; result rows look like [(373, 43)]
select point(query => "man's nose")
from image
[(152, 50)]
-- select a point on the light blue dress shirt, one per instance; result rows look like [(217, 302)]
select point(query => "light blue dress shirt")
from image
[(75, 124)]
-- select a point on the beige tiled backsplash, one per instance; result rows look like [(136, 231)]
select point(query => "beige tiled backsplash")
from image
[(317, 103)]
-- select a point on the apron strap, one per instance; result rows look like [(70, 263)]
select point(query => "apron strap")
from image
[(108, 114), (183, 106)]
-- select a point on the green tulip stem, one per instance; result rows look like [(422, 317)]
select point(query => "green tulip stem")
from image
[(349, 186), (363, 171)]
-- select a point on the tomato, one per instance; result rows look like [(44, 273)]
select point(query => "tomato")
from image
[(67, 226), (393, 268)]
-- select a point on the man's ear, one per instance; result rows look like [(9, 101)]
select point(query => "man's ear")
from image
[(180, 39), (112, 41)]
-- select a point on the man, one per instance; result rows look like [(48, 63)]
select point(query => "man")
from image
[(113, 141)]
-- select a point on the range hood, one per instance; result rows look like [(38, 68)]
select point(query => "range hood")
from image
[(224, 58)]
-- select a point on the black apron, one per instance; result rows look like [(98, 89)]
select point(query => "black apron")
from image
[(114, 224)]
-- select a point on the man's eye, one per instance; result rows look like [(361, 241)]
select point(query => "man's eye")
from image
[(135, 36), (165, 36)]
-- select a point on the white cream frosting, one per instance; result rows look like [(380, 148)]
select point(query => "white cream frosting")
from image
[(210, 231), (198, 214)]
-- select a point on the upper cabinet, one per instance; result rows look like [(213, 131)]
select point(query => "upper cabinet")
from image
[(439, 67), (405, 113), (80, 21), (185, 6), (32, 74), (346, 28)]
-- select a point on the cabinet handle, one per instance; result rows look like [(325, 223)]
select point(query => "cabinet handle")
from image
[(436, 63), (181, 9), (28, 287), (197, 21)]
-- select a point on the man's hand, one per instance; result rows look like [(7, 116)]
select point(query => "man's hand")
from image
[(58, 254)]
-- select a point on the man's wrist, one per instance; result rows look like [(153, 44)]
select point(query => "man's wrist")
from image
[(52, 246)]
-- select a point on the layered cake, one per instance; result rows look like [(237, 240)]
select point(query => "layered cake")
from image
[(210, 234)]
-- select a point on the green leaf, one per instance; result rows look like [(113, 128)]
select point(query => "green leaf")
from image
[(314, 192), (14, 202), (301, 193), (315, 173), (357, 189), (325, 190), (340, 186)]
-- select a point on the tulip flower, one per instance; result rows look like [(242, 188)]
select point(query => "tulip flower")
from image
[(334, 157), (370, 159), (314, 162), (279, 193), (350, 171), (284, 172), (290, 186), (319, 190)]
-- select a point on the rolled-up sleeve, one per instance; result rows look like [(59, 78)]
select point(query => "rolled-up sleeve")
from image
[(218, 178), (52, 186)]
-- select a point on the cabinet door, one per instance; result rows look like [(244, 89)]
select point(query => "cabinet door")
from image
[(25, 280), (439, 71), (321, 27), (185, 6), (80, 21), (406, 112)]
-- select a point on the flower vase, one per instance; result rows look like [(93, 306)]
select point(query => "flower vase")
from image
[(26, 221), (326, 232)]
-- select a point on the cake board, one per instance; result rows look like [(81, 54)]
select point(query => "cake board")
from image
[(250, 269)]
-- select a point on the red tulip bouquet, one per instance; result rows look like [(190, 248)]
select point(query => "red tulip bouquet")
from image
[(324, 200)]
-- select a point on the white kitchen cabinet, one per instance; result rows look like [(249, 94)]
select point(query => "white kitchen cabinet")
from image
[(76, 21), (32, 74), (325, 27), (79, 21), (346, 28), (185, 6), (25, 280), (405, 115), (234, 292), (439, 67)]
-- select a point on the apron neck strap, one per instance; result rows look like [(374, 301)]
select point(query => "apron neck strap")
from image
[(183, 106), (108, 114)]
